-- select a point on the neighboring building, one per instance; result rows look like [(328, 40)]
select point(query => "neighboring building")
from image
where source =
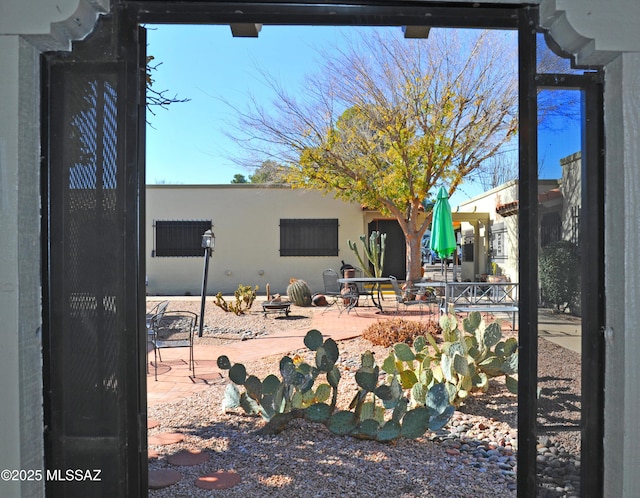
[(498, 242), (305, 232), (558, 216), (264, 233)]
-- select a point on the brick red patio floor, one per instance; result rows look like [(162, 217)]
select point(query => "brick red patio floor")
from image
[(174, 381)]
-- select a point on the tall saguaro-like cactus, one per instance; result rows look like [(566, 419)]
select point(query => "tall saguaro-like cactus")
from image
[(373, 250)]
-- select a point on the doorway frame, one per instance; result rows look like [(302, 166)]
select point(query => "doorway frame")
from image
[(524, 19)]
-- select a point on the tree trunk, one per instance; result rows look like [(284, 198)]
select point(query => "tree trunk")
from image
[(414, 257)]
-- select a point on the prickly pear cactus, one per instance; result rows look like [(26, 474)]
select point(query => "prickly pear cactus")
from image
[(379, 411), (463, 363), (371, 422), (299, 292), (294, 390)]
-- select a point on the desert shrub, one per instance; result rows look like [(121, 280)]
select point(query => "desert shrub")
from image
[(389, 332), (560, 275)]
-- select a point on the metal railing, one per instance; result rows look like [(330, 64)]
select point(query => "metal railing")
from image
[(482, 296)]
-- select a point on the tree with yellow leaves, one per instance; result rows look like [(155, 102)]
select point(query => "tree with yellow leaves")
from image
[(387, 121)]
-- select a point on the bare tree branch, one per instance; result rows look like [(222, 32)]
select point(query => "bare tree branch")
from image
[(158, 98)]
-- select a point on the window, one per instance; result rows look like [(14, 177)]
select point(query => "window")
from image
[(467, 252), (574, 226), (179, 237), (309, 237), (498, 238)]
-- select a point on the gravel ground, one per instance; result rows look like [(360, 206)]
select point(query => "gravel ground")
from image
[(475, 455)]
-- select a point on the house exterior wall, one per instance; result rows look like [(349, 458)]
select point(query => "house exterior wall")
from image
[(507, 257), (622, 275), (20, 309), (246, 224), (595, 32), (570, 187)]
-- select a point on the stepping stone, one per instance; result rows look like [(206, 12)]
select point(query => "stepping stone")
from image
[(218, 480), (163, 438), (188, 457), (162, 478), (152, 424), (152, 454)]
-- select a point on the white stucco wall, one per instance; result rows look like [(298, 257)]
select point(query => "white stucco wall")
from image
[(56, 24), (622, 276), (595, 31), (9, 277), (246, 222)]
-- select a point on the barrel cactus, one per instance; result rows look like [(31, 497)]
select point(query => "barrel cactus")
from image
[(299, 292)]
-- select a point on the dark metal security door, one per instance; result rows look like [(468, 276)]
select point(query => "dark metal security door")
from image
[(395, 262), (586, 230), (95, 394), (532, 420)]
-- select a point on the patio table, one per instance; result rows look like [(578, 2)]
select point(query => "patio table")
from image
[(376, 286)]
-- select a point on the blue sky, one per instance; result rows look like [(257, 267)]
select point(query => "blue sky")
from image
[(186, 143)]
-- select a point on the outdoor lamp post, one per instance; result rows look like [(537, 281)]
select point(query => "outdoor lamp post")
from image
[(208, 243)]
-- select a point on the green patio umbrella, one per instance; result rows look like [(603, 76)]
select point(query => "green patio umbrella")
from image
[(443, 237)]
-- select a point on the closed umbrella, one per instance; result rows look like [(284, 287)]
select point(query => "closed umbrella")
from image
[(443, 238)]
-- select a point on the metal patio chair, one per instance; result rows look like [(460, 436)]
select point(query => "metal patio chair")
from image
[(402, 296), (348, 299), (331, 286), (155, 313), (174, 329)]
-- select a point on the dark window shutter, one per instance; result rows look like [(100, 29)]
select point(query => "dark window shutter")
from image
[(309, 237), (180, 237)]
